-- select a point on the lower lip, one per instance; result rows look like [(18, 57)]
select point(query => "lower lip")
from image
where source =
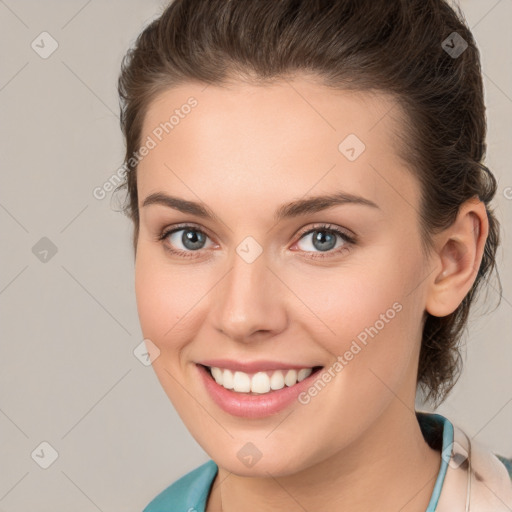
[(253, 406)]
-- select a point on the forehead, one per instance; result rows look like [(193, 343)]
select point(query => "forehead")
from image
[(284, 138), (300, 107)]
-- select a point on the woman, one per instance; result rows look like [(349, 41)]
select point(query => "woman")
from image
[(312, 222)]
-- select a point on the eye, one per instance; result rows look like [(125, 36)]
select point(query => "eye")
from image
[(191, 238), (324, 240)]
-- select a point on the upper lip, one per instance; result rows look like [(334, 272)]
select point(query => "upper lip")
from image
[(252, 366)]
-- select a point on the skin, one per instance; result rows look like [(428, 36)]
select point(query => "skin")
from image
[(244, 150)]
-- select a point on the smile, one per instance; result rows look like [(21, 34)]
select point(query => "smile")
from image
[(261, 382), (250, 390)]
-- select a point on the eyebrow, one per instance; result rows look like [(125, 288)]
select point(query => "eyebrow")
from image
[(285, 211)]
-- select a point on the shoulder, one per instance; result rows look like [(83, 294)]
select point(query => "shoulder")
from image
[(488, 480), (471, 473), (190, 492), (507, 463)]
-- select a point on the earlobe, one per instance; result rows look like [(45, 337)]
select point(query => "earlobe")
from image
[(458, 254)]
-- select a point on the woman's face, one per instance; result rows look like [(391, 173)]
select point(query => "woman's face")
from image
[(254, 289)]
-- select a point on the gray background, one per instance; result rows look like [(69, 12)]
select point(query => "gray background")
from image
[(69, 325)]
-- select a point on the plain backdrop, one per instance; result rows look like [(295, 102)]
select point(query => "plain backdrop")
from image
[(69, 325)]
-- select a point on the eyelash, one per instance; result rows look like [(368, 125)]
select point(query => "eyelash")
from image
[(349, 240)]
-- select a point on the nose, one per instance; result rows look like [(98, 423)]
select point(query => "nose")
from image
[(249, 303)]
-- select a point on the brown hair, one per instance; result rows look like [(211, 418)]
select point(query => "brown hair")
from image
[(399, 47)]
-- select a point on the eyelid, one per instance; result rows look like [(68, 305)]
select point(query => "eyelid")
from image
[(303, 231), (326, 226), (348, 237), (183, 226), (165, 232)]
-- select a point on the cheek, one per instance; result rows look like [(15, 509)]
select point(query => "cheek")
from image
[(366, 314), (163, 298), (162, 304), (342, 303), (172, 301), (367, 323)]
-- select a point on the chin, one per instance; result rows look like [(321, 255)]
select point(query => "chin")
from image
[(277, 462)]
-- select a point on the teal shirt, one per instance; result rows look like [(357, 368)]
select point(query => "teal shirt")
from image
[(190, 493)]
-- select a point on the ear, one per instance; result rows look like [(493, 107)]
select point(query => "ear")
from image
[(458, 253)]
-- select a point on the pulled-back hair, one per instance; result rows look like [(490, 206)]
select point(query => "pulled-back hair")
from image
[(405, 48)]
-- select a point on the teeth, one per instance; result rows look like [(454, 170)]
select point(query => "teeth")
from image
[(277, 380), (302, 374), (227, 379), (290, 378), (241, 382), (260, 382), (217, 374)]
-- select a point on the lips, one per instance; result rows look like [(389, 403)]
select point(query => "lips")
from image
[(249, 404)]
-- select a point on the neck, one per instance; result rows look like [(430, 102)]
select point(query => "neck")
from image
[(390, 465)]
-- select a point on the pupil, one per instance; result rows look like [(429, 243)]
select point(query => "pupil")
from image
[(192, 239), (321, 237)]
